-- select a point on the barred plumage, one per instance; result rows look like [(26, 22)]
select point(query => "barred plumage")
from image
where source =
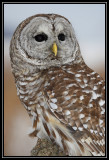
[(64, 98)]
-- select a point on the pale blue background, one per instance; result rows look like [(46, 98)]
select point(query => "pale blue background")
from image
[(88, 21)]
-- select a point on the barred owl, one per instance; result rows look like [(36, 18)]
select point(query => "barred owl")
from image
[(64, 98)]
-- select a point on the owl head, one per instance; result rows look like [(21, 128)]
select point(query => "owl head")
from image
[(44, 40)]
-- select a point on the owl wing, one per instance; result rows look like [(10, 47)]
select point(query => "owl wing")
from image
[(76, 98)]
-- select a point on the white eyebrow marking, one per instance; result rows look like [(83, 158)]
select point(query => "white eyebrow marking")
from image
[(43, 28), (59, 27)]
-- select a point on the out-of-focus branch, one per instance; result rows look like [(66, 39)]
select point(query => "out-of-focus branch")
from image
[(45, 147)]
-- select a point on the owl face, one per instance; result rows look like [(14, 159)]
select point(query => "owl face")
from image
[(47, 40)]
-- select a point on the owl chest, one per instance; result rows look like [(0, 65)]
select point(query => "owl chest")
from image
[(30, 90)]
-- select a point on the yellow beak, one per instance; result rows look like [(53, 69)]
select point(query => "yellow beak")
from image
[(54, 48)]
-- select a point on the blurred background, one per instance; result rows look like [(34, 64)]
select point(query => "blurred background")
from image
[(88, 21)]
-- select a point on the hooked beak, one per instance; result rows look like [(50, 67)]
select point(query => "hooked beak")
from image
[(54, 48)]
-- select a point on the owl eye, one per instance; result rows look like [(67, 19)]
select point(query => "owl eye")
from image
[(41, 37), (61, 37)]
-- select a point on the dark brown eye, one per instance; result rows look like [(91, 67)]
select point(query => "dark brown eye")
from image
[(41, 37), (61, 37)]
